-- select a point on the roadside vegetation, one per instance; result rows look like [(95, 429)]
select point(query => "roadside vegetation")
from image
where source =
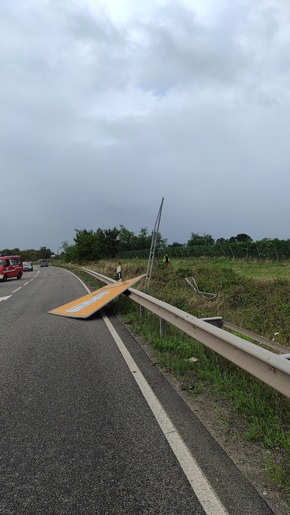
[(89, 245), (28, 255), (252, 295)]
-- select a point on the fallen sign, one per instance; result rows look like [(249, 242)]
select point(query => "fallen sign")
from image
[(89, 304)]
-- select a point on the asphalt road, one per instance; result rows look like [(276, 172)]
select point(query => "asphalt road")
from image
[(77, 434)]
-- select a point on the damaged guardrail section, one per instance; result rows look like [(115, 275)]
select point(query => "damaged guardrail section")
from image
[(270, 368)]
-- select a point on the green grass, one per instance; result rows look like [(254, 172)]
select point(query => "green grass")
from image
[(251, 295), (261, 270)]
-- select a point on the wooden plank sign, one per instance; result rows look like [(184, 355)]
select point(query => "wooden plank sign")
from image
[(89, 304)]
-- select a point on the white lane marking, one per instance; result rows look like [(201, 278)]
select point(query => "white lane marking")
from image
[(76, 277), (5, 298), (17, 289), (198, 481)]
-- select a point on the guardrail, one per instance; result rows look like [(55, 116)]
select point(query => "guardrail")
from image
[(261, 363), (260, 339)]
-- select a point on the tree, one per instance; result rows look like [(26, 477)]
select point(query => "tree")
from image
[(69, 252), (110, 242), (30, 255), (127, 240), (87, 245), (197, 239), (10, 252), (243, 237), (176, 244), (143, 239), (44, 253), (161, 242)]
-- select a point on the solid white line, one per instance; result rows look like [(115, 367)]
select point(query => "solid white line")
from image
[(84, 285), (198, 481)]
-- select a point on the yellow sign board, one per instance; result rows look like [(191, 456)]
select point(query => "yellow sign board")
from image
[(87, 305)]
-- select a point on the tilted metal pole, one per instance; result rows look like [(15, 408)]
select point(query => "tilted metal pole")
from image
[(153, 248)]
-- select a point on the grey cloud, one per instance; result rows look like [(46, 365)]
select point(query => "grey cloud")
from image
[(100, 120)]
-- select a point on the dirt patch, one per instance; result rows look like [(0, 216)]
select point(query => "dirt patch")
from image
[(229, 429)]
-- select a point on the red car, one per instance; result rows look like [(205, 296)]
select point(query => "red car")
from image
[(10, 266)]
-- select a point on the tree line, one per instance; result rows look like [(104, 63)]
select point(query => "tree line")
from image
[(92, 245), (89, 245), (120, 243), (28, 255)]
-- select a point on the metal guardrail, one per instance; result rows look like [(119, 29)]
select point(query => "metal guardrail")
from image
[(260, 339), (261, 363)]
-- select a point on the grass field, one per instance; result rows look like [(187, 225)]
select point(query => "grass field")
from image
[(263, 270)]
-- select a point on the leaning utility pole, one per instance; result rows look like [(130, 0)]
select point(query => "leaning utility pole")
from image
[(154, 238)]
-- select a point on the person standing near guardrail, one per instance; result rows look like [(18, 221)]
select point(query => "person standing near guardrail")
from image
[(166, 260)]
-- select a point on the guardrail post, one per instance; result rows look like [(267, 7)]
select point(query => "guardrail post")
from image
[(162, 327), (216, 321)]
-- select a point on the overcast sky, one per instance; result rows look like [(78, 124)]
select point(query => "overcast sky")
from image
[(108, 106)]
